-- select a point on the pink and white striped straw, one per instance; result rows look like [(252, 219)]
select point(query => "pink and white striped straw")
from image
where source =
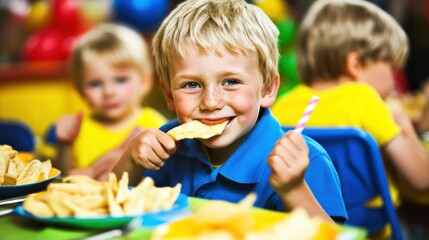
[(306, 115)]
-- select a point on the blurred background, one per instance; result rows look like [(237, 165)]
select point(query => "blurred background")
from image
[(36, 37)]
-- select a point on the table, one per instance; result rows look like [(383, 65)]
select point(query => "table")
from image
[(16, 227)]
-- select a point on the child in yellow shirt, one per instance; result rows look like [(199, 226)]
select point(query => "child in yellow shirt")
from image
[(348, 51), (112, 70)]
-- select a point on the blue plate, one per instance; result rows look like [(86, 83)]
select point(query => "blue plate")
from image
[(25, 189), (179, 209)]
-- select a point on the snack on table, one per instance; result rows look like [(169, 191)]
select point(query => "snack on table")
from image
[(14, 171), (411, 104), (81, 196), (224, 220), (196, 129)]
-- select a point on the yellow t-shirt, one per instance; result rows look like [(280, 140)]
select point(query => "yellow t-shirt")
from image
[(94, 140), (349, 104)]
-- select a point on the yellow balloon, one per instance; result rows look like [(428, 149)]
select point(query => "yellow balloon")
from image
[(95, 11), (275, 9), (39, 15)]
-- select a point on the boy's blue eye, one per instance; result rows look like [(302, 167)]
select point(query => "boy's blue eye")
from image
[(231, 82), (191, 85)]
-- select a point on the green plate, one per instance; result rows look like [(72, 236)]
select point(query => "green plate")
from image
[(149, 219)]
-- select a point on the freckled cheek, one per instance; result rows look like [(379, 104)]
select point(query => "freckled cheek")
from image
[(243, 101), (185, 105)]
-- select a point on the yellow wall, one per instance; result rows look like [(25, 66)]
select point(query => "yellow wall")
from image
[(38, 103)]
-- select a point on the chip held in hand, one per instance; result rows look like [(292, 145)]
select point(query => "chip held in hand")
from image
[(196, 129)]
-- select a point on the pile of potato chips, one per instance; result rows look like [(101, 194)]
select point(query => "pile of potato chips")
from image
[(228, 221), (13, 171), (81, 196)]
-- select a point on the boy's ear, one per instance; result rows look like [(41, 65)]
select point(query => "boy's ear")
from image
[(353, 65), (168, 97), (270, 92)]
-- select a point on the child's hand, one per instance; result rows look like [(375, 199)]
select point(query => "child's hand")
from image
[(68, 127), (288, 161), (151, 148)]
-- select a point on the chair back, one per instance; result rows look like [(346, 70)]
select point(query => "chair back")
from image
[(17, 134), (358, 161)]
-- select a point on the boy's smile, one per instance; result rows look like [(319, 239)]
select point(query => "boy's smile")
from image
[(214, 88)]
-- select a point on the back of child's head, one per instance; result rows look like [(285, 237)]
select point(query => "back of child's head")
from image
[(217, 25), (332, 29), (120, 46)]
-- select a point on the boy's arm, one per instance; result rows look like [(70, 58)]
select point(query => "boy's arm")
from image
[(101, 168), (409, 156), (67, 129), (148, 150), (301, 196), (64, 159), (289, 161)]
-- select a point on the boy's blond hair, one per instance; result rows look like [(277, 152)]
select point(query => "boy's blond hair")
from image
[(217, 25), (119, 45), (334, 28)]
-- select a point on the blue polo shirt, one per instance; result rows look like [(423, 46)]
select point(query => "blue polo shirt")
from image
[(247, 170)]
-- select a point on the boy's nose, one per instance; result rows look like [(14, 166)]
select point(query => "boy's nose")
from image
[(108, 89), (212, 99)]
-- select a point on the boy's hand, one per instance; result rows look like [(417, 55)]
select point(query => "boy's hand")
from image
[(151, 148), (288, 161), (68, 127)]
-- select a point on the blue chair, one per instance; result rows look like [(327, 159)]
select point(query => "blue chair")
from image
[(359, 164), (17, 134)]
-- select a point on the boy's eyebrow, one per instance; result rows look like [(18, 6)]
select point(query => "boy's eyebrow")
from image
[(196, 76)]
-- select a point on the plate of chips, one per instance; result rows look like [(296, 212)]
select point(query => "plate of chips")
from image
[(80, 201), (150, 219), (19, 175), (11, 191)]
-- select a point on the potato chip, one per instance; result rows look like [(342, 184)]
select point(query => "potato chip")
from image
[(8, 150), (58, 205), (122, 188), (113, 182), (134, 203), (5, 148), (30, 173), (15, 167), (45, 169), (9, 180), (114, 207), (196, 129), (76, 188), (4, 163), (80, 179), (95, 201), (37, 207)]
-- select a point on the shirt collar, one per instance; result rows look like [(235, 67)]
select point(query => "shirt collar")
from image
[(246, 164)]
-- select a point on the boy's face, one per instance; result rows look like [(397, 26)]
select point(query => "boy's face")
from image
[(213, 89), (380, 75), (113, 94)]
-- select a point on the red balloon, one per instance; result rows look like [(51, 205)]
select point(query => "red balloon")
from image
[(66, 14), (49, 44)]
